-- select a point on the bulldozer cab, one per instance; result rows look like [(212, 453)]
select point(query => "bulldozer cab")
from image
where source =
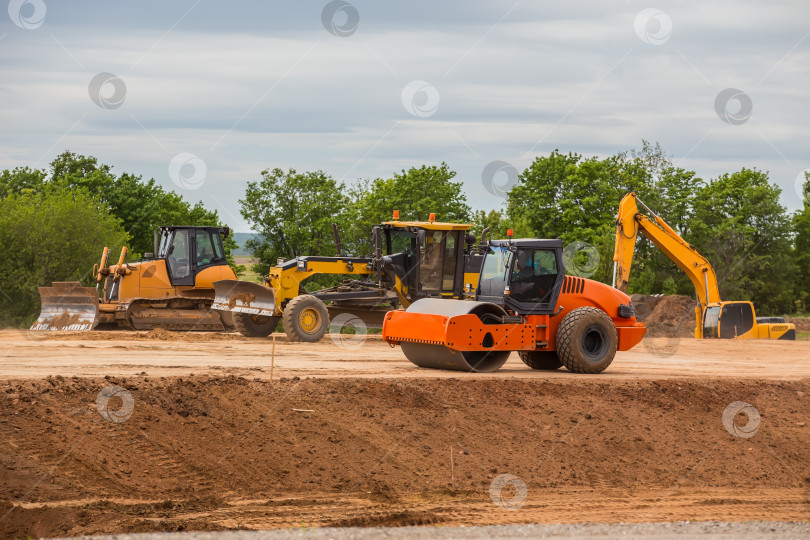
[(190, 250), (522, 275)]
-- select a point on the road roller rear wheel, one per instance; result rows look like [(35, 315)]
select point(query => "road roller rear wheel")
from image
[(586, 340), (546, 360), (305, 319), (255, 325)]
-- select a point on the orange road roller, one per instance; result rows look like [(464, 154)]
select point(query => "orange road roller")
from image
[(523, 302)]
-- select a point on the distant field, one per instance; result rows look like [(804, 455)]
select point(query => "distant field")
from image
[(249, 274)]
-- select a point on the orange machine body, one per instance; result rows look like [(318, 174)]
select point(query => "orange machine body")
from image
[(535, 332)]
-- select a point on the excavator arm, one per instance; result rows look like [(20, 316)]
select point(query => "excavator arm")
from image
[(631, 221)]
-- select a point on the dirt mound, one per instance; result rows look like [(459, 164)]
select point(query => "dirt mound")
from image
[(672, 316), (207, 453), (802, 323), (157, 334)]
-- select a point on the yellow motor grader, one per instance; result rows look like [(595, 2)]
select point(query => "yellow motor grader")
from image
[(411, 260), (171, 288)]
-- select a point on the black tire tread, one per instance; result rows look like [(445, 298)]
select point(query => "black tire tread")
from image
[(545, 360), (245, 325), (290, 316), (565, 336)]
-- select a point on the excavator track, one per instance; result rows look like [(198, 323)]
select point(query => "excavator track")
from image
[(435, 356), (176, 313)]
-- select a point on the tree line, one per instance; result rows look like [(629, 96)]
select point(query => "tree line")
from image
[(759, 250), (54, 221)]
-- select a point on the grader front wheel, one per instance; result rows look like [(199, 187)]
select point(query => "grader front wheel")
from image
[(254, 325), (305, 319)]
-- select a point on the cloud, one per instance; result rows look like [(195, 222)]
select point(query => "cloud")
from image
[(253, 85)]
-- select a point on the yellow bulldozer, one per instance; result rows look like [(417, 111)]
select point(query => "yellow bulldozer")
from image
[(715, 318), (172, 288), (410, 260)]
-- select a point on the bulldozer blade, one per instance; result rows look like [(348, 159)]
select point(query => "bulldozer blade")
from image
[(66, 305), (243, 297)]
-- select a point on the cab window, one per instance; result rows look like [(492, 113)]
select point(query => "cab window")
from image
[(449, 278), (736, 319), (534, 273), (209, 250), (711, 321), (178, 253), (431, 262), (401, 242), (494, 272)]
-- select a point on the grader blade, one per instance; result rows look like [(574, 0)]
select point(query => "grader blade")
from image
[(243, 297), (67, 305)]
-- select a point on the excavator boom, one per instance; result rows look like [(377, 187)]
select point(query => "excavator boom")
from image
[(714, 317), (631, 221)]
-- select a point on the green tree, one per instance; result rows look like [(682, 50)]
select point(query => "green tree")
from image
[(293, 214), (741, 227), (495, 221), (21, 179), (142, 205), (566, 196), (416, 193), (801, 250), (46, 235)]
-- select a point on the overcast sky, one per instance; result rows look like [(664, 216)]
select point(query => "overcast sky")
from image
[(204, 95)]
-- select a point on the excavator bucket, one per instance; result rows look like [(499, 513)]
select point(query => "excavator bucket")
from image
[(430, 326), (66, 305), (243, 297)]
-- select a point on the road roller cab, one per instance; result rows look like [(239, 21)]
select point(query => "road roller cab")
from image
[(523, 302)]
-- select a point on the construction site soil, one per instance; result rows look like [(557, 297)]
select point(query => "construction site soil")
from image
[(110, 432)]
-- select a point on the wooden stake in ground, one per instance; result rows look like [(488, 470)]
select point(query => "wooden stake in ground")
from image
[(452, 467)]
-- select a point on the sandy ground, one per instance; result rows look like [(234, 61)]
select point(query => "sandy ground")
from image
[(113, 432), (96, 354)]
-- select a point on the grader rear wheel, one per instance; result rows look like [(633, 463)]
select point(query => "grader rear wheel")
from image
[(305, 319)]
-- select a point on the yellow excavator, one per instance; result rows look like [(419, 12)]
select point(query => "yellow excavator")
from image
[(411, 260), (171, 288), (715, 318)]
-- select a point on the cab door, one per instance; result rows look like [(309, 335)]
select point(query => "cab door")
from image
[(177, 253), (209, 263), (736, 319)]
